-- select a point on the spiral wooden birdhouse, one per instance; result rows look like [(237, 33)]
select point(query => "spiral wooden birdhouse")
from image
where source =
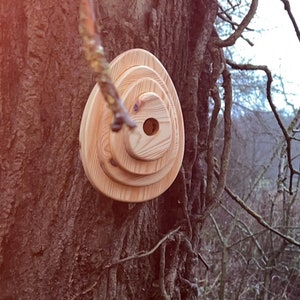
[(138, 164)]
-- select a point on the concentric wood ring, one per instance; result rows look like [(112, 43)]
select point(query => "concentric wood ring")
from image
[(134, 165)]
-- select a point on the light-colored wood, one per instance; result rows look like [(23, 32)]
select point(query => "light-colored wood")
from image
[(140, 164), (153, 135), (119, 152)]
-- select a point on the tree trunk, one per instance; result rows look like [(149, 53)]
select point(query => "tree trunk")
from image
[(60, 238)]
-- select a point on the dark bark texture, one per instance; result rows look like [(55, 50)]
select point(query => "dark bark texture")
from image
[(59, 238)]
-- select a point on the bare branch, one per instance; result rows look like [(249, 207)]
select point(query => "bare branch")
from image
[(142, 253), (258, 217), (251, 67), (281, 170), (227, 134), (196, 66), (224, 259), (227, 18), (219, 67), (287, 7), (234, 6), (87, 290), (210, 143), (203, 261), (94, 52), (274, 154), (238, 32), (218, 230), (285, 132), (249, 232)]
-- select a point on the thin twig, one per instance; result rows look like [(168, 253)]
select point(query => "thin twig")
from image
[(142, 253), (274, 155), (203, 261), (281, 170), (87, 290), (287, 7), (249, 232), (227, 18), (238, 32), (94, 52), (258, 217), (285, 132), (218, 230)]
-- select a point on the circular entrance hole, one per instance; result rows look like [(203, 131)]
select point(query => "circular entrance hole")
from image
[(151, 126)]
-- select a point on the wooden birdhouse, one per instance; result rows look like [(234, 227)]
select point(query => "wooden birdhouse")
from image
[(134, 165)]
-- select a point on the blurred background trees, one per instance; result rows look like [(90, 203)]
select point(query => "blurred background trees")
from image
[(248, 261)]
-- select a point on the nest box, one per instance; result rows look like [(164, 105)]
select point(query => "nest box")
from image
[(134, 165)]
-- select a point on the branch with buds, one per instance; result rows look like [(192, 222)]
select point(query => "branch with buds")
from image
[(94, 52)]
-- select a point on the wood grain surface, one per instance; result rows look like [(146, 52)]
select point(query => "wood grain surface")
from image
[(134, 165)]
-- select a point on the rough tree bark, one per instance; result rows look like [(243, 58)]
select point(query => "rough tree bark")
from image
[(59, 238)]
